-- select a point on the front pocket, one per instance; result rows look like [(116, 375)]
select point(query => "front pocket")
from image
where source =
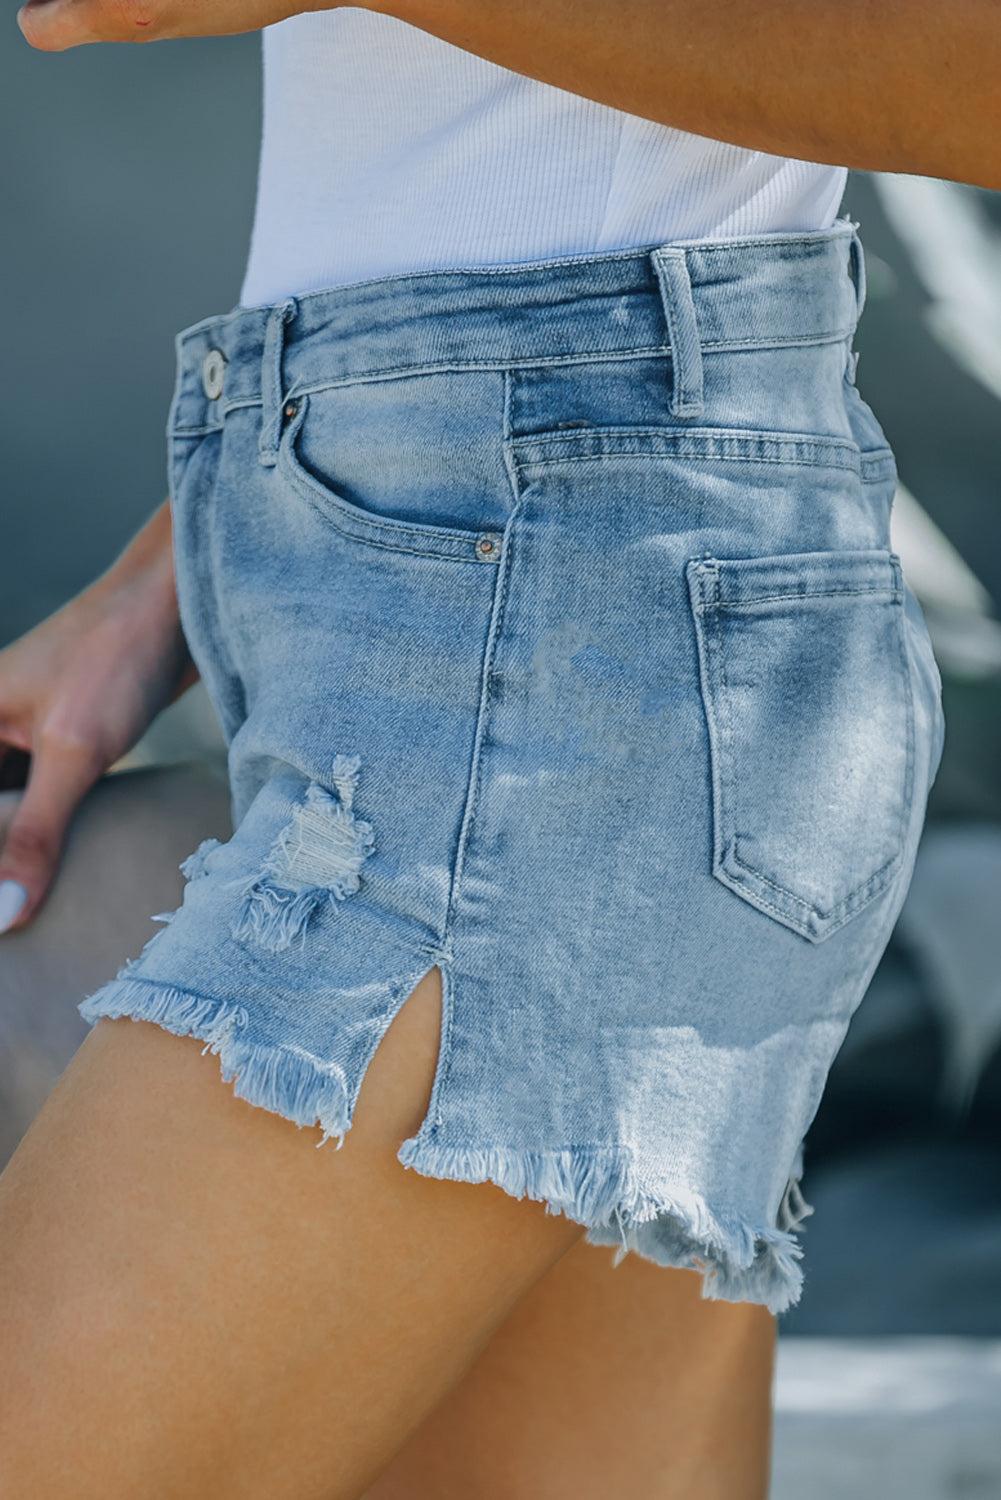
[(809, 708), (374, 527), (371, 527)]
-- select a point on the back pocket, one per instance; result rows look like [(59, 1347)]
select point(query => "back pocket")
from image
[(807, 694)]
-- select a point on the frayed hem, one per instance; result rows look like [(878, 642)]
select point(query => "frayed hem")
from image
[(298, 1087), (599, 1188), (773, 1276)]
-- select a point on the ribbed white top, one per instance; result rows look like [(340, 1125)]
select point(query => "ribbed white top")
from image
[(387, 151)]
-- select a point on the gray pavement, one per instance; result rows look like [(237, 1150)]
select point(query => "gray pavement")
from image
[(888, 1419)]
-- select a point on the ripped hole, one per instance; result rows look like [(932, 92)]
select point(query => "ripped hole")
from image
[(316, 857)]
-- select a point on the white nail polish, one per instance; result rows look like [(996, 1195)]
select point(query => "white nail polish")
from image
[(12, 897)]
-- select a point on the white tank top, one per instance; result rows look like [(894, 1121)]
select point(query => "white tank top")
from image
[(386, 150)]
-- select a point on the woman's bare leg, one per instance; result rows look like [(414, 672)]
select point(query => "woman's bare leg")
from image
[(603, 1381), (598, 1371), (197, 1304)]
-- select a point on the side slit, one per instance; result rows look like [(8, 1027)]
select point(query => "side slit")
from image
[(417, 1046)]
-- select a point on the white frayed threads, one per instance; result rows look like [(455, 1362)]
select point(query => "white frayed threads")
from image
[(286, 1082), (195, 865), (344, 775), (213, 1022), (316, 857), (793, 1209)]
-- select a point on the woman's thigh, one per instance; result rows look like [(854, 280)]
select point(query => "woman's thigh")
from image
[(195, 1301), (601, 1372)]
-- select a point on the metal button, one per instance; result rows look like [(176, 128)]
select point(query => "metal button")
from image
[(488, 546), (213, 373)]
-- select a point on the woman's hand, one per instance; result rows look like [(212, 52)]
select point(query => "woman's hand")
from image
[(76, 693)]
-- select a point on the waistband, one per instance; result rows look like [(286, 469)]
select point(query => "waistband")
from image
[(684, 300)]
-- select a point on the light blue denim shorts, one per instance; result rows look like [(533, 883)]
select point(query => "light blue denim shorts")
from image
[(551, 618)]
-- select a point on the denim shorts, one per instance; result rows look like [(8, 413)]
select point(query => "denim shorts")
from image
[(551, 619)]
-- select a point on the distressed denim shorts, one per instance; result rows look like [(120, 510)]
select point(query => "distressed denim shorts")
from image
[(551, 618)]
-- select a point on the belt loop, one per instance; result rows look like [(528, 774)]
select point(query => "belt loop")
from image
[(671, 266), (272, 395), (856, 269)]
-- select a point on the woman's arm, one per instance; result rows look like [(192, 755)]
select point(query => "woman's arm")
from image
[(892, 85), (886, 85)]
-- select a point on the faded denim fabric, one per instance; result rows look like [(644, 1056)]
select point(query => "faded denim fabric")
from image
[(550, 616)]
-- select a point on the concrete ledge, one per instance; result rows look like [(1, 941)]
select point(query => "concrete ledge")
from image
[(893, 1418), (119, 864)]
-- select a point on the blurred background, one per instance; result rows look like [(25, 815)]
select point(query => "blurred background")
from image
[(127, 181)]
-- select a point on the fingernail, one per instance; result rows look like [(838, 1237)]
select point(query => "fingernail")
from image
[(12, 898)]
